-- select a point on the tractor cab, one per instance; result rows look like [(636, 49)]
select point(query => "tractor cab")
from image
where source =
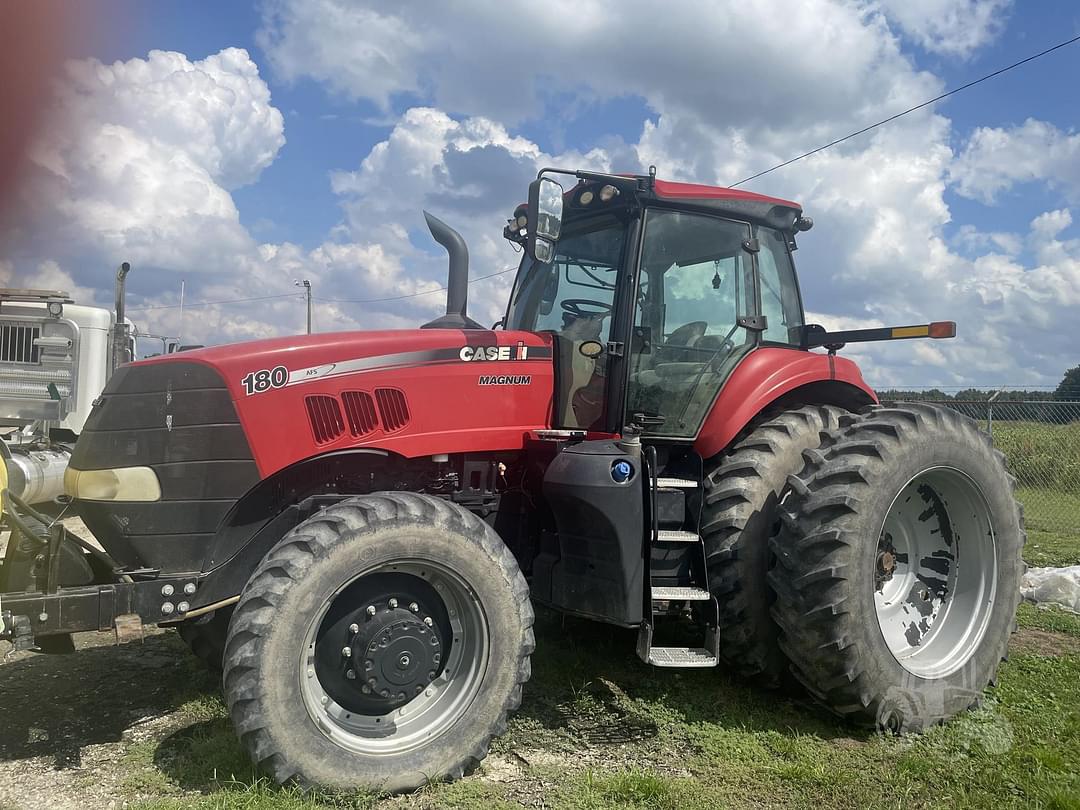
[(654, 292)]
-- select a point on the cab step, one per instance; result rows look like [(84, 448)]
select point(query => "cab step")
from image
[(676, 483), (682, 657), (679, 594), (676, 536), (679, 657)]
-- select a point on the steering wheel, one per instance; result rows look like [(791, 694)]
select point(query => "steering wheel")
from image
[(575, 306)]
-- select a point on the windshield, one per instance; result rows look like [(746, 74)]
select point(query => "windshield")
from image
[(573, 294)]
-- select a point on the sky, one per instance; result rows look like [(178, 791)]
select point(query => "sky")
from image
[(239, 147)]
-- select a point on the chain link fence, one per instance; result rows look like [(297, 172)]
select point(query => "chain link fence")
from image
[(1041, 440)]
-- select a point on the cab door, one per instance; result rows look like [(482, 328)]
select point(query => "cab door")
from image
[(692, 319)]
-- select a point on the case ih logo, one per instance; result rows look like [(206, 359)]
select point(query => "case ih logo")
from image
[(519, 352)]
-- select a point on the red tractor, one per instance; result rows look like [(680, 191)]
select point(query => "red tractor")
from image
[(354, 526)]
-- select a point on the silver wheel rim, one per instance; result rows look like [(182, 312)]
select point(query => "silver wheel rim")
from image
[(440, 705), (935, 575)]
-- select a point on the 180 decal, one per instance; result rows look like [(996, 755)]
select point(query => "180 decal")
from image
[(256, 382)]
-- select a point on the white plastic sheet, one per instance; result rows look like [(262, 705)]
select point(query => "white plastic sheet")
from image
[(1059, 586)]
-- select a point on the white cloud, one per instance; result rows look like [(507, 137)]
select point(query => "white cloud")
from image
[(996, 159), (141, 160), (781, 68), (952, 27)]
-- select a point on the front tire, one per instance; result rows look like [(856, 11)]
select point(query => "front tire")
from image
[(898, 566), (380, 645)]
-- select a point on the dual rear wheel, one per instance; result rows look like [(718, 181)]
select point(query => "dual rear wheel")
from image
[(880, 570)]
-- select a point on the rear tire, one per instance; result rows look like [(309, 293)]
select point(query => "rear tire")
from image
[(738, 515), (898, 566), (406, 583)]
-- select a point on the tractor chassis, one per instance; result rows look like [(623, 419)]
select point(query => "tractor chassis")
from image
[(37, 612)]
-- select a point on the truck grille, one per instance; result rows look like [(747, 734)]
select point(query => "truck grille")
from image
[(17, 343)]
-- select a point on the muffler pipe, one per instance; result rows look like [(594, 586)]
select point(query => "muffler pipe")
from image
[(121, 350), (457, 283)]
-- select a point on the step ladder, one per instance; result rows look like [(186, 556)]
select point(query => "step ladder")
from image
[(693, 593)]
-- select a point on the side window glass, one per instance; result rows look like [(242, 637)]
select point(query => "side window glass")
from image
[(694, 283), (779, 293)]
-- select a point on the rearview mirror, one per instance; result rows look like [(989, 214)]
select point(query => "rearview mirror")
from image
[(544, 218)]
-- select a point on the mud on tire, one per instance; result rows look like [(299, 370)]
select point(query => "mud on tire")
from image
[(738, 515), (897, 567), (385, 543)]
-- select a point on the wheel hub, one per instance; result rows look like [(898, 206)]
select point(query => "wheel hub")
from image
[(935, 572), (395, 654)]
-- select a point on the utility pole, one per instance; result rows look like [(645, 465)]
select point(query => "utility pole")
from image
[(306, 284)]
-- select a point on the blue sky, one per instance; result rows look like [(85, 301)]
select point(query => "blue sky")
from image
[(310, 152)]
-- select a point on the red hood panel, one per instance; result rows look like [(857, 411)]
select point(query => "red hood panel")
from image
[(414, 392)]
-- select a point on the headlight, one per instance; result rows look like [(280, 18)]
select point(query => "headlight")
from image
[(121, 484)]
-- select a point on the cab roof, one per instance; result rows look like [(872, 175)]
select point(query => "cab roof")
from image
[(666, 189)]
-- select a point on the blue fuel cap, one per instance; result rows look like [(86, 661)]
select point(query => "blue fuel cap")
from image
[(621, 471)]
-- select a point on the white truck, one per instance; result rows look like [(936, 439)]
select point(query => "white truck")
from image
[(55, 357)]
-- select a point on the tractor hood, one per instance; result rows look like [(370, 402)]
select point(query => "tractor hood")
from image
[(413, 392)]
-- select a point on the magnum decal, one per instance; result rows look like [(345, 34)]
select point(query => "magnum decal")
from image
[(505, 379)]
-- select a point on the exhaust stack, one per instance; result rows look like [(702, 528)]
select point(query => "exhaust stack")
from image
[(457, 284), (121, 352)]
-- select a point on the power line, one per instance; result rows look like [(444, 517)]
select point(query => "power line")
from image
[(910, 110), (409, 295), (213, 303)]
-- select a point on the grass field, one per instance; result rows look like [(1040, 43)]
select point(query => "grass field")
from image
[(1053, 524), (598, 729), (1046, 461)]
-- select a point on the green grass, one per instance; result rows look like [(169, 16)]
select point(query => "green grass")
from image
[(1053, 524), (598, 729)]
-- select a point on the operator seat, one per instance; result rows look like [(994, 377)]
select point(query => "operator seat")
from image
[(682, 338)]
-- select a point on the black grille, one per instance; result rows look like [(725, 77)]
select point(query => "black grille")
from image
[(17, 343), (360, 411), (393, 408), (325, 416)]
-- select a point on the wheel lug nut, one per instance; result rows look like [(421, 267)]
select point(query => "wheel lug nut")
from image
[(350, 675), (347, 652), (354, 629), (324, 700), (415, 608), (365, 689), (370, 610), (392, 603), (428, 621)]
